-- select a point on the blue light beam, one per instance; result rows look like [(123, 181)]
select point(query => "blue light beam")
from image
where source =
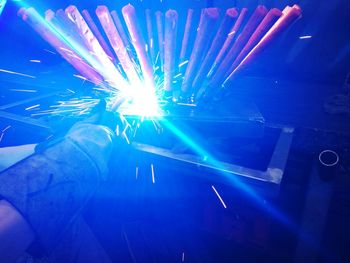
[(2, 5), (246, 189)]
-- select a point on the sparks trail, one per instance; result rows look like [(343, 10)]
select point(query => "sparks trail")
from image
[(3, 132), (17, 73), (219, 196)]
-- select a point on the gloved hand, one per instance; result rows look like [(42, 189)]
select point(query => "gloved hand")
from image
[(51, 187), (98, 117)]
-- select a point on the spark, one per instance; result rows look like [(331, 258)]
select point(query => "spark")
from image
[(32, 107), (67, 50), (17, 73), (157, 57), (231, 33), (3, 132), (117, 130), (6, 128), (218, 195), (183, 63), (155, 125), (71, 91), (72, 107), (137, 172), (83, 78), (187, 104), (126, 138), (305, 37), (35, 61), (152, 169), (49, 51), (178, 75), (79, 77), (24, 90), (135, 131)]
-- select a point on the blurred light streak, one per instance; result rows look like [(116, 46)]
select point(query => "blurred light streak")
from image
[(305, 37), (235, 180), (71, 91), (152, 170), (126, 138), (79, 77), (219, 196), (183, 63), (3, 132), (17, 73), (35, 61), (49, 51), (32, 107), (6, 128), (24, 90), (2, 5), (117, 130)]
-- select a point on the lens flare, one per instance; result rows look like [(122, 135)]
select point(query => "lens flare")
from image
[(2, 5)]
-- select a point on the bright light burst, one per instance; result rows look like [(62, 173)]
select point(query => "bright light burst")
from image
[(139, 102)]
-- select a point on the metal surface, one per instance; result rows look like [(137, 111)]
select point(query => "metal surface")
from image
[(266, 181), (236, 117)]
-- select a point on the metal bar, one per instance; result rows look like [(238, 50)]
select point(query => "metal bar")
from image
[(270, 19), (228, 42), (150, 35), (160, 33), (21, 102), (46, 31), (104, 65), (290, 15), (279, 157), (98, 34), (117, 44), (120, 28), (186, 37), (226, 24), (25, 120), (223, 71), (171, 18), (205, 32), (197, 160), (131, 20), (67, 29)]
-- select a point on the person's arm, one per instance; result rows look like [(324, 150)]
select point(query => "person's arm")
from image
[(15, 233), (51, 187)]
